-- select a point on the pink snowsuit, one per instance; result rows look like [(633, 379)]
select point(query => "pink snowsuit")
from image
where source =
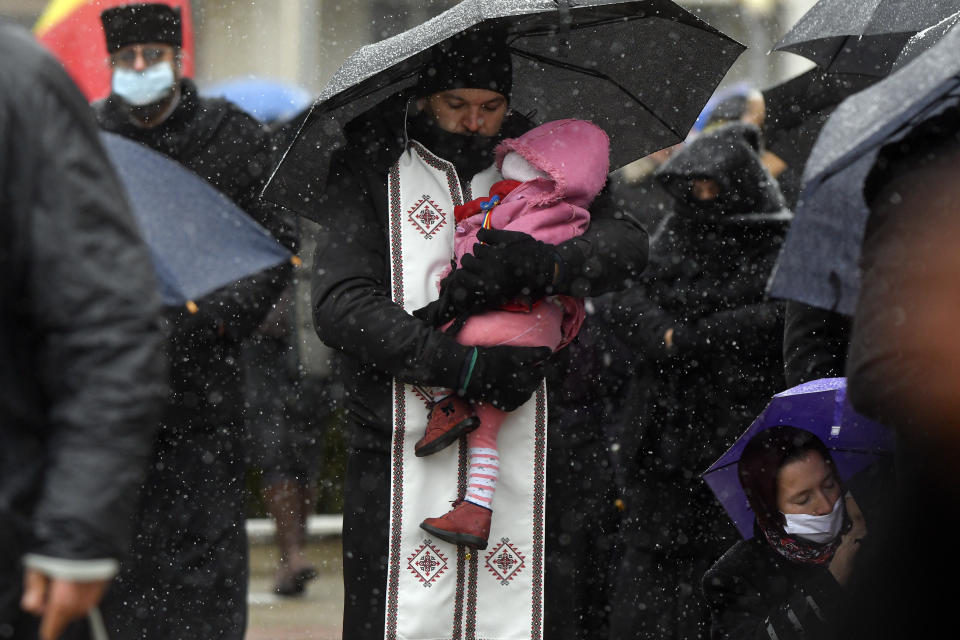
[(575, 154)]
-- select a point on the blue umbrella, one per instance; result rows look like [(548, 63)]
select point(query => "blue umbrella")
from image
[(199, 239), (820, 407), (819, 262), (265, 99)]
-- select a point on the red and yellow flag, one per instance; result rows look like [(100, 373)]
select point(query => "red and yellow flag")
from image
[(71, 29)]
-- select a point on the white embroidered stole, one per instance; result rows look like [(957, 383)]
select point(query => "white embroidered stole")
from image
[(436, 590)]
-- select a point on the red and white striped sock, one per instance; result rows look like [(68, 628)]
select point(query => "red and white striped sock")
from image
[(482, 478)]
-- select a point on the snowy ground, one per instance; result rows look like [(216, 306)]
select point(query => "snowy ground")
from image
[(315, 616)]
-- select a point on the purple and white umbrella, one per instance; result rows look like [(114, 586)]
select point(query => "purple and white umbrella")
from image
[(820, 407)]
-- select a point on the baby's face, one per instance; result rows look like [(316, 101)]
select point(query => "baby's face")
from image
[(516, 167)]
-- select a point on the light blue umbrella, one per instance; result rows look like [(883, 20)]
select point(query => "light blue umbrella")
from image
[(266, 99)]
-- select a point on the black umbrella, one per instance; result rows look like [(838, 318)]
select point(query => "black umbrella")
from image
[(925, 39), (641, 69), (819, 263), (862, 36), (796, 111)]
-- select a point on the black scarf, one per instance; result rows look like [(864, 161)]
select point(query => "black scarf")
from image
[(470, 154)]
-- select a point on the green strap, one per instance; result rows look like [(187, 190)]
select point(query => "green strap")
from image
[(469, 374)]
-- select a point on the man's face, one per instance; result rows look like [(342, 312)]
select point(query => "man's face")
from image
[(468, 111), (137, 57)]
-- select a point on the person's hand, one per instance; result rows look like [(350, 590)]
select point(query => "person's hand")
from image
[(455, 301), (505, 377), (668, 338), (58, 602), (841, 565)]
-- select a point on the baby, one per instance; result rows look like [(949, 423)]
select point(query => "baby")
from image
[(551, 174)]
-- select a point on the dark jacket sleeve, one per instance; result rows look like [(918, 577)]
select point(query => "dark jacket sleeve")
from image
[(815, 343), (236, 310), (94, 307), (353, 309), (232, 312), (643, 325), (749, 601), (610, 256)]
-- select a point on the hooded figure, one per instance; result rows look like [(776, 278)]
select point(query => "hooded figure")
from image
[(551, 174), (711, 343)]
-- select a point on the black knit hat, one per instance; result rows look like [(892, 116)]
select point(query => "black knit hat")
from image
[(139, 23), (474, 59)]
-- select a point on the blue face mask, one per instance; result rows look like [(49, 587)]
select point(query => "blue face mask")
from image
[(146, 87)]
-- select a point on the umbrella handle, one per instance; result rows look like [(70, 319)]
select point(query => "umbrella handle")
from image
[(98, 630), (563, 8), (840, 398)]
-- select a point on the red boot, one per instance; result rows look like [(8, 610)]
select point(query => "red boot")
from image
[(449, 419), (467, 524)]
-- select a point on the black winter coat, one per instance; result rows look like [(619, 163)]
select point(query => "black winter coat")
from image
[(706, 280), (351, 283), (234, 153), (81, 369), (757, 594)]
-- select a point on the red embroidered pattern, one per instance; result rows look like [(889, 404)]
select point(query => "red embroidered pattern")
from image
[(427, 563), (427, 216), (393, 589), (539, 501), (453, 182), (505, 561)]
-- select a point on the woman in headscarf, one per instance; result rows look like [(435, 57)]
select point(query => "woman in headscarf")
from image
[(787, 581)]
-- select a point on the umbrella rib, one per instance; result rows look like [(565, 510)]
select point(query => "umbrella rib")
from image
[(839, 449), (836, 54), (596, 74)]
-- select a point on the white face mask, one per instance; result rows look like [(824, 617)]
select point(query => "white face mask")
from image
[(146, 87), (817, 529)]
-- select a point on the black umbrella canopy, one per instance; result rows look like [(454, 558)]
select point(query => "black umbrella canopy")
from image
[(819, 264), (797, 109), (862, 36), (925, 39), (641, 69)]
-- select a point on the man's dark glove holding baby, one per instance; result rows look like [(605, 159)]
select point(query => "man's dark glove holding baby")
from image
[(506, 266)]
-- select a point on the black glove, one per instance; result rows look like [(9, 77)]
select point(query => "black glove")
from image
[(505, 377), (505, 266), (451, 304)]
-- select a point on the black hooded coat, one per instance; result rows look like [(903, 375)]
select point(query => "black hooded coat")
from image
[(355, 314), (81, 367), (706, 282), (188, 571)]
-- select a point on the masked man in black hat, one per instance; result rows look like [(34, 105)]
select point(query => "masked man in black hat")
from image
[(187, 574), (439, 139)]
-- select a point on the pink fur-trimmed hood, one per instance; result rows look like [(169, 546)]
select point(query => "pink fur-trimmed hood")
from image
[(575, 153)]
